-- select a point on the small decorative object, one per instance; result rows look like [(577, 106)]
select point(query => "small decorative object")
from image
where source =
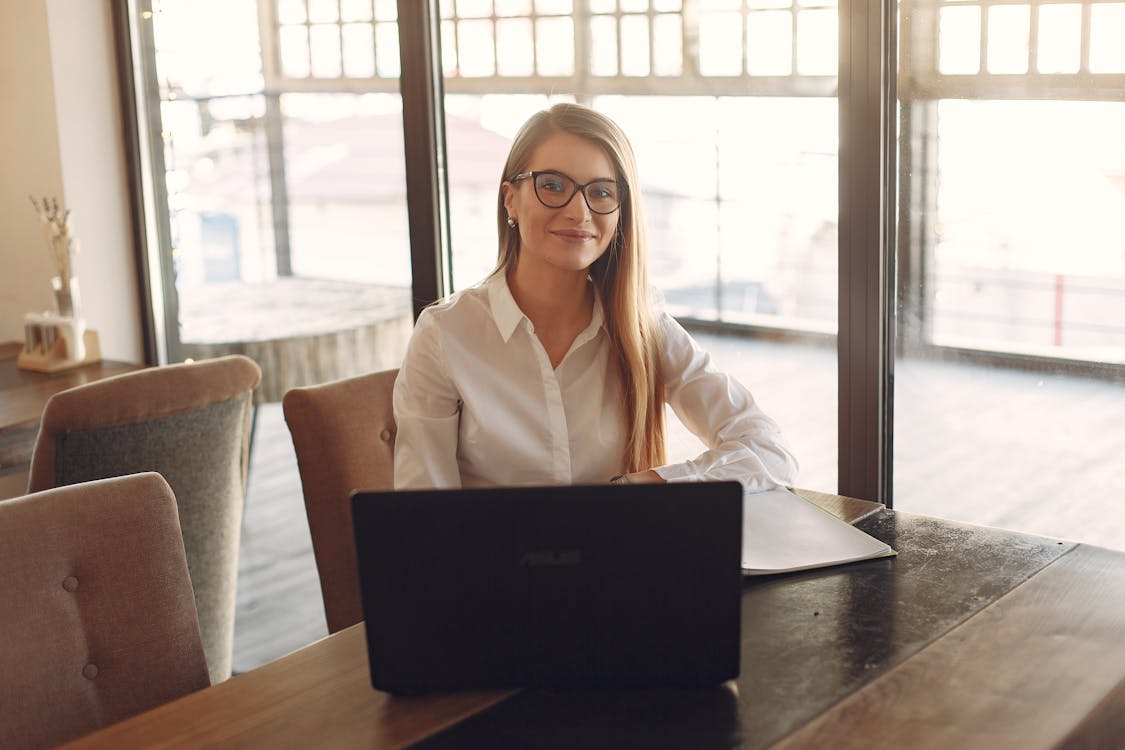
[(59, 339)]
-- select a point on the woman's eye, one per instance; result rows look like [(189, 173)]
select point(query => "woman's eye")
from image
[(552, 185)]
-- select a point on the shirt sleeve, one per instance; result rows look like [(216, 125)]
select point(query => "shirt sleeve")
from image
[(427, 408), (743, 443)]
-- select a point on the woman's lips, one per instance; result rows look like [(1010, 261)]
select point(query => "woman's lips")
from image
[(573, 235)]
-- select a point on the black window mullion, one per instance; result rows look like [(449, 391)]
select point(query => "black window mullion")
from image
[(423, 123), (866, 243)]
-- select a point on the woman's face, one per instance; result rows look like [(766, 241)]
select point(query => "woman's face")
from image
[(572, 237)]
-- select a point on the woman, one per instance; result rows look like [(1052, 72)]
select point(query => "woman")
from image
[(556, 368)]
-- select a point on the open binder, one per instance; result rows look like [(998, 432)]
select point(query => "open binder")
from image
[(782, 532)]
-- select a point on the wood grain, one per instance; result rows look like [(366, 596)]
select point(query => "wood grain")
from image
[(319, 696), (1042, 667)]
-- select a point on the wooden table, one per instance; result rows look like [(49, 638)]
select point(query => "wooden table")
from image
[(971, 637), (24, 393)]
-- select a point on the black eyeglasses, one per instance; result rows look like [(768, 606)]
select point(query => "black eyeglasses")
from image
[(555, 190)]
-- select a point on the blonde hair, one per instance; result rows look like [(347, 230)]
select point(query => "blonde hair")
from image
[(620, 274)]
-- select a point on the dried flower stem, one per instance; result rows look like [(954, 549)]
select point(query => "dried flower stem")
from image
[(60, 240)]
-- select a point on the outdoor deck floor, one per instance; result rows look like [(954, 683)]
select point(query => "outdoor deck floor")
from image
[(1037, 453)]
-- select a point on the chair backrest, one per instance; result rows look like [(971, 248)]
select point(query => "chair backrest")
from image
[(97, 616), (188, 422), (344, 437)]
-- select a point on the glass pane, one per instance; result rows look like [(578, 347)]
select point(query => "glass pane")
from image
[(386, 10), (769, 43), (817, 42), (359, 50), (387, 57), (323, 11), (667, 31), (959, 41), (475, 55), (1011, 286), (1107, 30), (513, 7), (554, 41), (554, 7), (324, 43), (355, 10), (291, 11), (1008, 30), (474, 8), (448, 48), (720, 44), (1060, 38), (515, 54), (634, 46), (603, 46), (294, 46)]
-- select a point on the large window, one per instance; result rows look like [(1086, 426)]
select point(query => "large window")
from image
[(283, 202), (732, 113), (1012, 265), (282, 152)]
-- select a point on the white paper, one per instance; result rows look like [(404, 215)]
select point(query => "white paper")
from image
[(783, 532)]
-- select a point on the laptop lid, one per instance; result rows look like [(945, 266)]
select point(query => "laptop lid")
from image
[(595, 585)]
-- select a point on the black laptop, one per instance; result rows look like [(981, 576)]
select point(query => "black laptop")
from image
[(579, 586)]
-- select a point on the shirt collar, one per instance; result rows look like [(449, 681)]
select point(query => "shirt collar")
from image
[(507, 314)]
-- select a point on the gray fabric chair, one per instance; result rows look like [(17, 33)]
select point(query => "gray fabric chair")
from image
[(97, 616), (188, 422), (344, 437)]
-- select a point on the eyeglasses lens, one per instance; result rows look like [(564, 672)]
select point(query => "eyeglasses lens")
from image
[(555, 191)]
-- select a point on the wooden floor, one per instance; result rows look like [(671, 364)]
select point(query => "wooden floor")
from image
[(1025, 451)]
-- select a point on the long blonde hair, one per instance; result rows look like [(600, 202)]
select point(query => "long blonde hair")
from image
[(620, 274)]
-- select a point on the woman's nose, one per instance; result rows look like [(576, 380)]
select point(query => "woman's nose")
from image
[(577, 208)]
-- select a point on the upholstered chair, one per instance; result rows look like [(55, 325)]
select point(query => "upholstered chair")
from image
[(97, 616), (189, 422), (344, 437)]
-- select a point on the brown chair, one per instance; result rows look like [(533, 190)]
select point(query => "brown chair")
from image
[(188, 422), (344, 436), (97, 616)]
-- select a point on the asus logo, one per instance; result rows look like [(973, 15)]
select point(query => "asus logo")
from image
[(547, 558)]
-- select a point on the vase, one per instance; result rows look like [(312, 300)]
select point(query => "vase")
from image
[(66, 297)]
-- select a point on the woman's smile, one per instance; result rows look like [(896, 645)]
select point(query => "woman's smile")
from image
[(576, 236)]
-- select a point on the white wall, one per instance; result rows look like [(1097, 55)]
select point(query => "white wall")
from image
[(60, 135)]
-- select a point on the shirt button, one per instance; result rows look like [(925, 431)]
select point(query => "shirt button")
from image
[(70, 583), (90, 671), (385, 435)]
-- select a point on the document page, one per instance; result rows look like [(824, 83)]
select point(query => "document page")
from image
[(782, 532)]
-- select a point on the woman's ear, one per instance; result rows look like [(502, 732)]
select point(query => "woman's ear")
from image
[(509, 198)]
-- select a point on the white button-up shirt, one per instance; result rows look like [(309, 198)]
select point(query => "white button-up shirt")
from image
[(477, 403)]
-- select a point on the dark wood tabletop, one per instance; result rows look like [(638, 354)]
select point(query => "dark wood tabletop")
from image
[(24, 393), (970, 637)]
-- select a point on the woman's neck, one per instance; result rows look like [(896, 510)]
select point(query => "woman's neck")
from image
[(553, 299)]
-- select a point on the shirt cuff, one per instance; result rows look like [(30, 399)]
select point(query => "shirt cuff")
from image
[(677, 473)]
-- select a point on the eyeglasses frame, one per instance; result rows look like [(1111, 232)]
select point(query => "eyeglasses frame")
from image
[(624, 188)]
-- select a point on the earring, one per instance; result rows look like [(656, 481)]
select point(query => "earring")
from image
[(511, 223)]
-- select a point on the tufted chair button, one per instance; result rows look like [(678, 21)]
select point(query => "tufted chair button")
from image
[(90, 671), (385, 435), (70, 583)]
